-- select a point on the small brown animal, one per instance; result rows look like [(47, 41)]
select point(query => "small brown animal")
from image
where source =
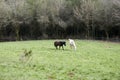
[(60, 44)]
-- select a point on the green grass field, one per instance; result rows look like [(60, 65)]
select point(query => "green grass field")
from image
[(93, 60)]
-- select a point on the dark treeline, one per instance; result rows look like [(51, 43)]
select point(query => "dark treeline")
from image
[(63, 19)]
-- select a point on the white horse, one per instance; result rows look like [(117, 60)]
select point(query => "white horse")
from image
[(72, 43)]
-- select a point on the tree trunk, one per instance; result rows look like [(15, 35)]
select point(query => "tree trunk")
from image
[(17, 35), (107, 35), (17, 30), (87, 32), (0, 33)]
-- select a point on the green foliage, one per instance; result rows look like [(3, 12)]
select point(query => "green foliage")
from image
[(93, 60)]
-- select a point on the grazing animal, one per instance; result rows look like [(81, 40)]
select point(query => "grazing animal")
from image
[(60, 44), (72, 44)]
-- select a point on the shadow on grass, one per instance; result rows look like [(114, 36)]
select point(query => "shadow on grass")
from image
[(54, 49)]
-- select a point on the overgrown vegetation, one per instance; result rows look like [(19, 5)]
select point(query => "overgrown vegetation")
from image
[(41, 19), (25, 56), (93, 60)]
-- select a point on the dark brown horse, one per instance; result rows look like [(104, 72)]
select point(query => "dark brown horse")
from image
[(60, 44)]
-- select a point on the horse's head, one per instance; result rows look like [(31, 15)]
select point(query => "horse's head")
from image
[(64, 43)]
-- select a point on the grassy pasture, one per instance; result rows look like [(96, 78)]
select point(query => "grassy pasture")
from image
[(93, 60)]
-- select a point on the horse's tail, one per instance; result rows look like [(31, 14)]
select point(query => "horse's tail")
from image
[(74, 45)]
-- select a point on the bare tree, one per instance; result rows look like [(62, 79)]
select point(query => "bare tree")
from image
[(116, 15), (53, 9), (84, 13), (106, 16), (18, 14), (4, 15)]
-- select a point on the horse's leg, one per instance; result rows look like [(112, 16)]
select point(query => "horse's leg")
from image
[(62, 47), (59, 47), (71, 46), (56, 47)]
